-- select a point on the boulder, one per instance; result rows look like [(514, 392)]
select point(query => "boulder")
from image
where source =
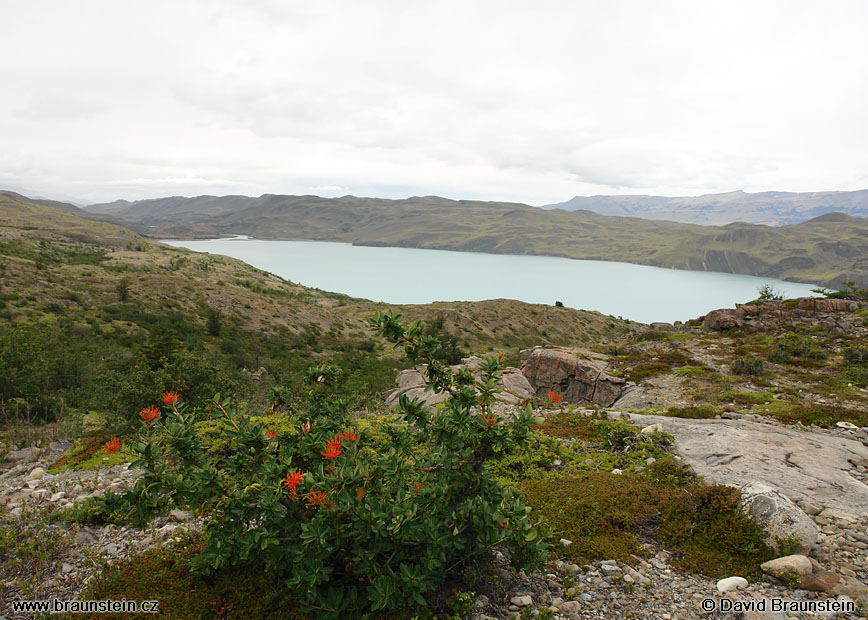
[(731, 583), (515, 383), (779, 518), (411, 378), (662, 327), (182, 516), (577, 375), (412, 383), (521, 601), (833, 583), (36, 474), (722, 320), (24, 454), (788, 565)]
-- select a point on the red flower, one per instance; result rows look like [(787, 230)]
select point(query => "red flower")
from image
[(149, 414), (316, 498), (491, 421), (293, 479), (350, 435), (555, 398), (112, 446), (170, 398), (360, 492), (333, 448), (305, 427), (271, 434)]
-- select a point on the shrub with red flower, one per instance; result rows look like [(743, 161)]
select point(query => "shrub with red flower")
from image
[(315, 498), (271, 434), (333, 448), (149, 414), (112, 446), (350, 435), (293, 478), (407, 509), (490, 419), (555, 397), (170, 398)]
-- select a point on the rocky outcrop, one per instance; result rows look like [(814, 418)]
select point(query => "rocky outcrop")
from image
[(835, 315), (577, 375), (515, 388), (780, 519), (807, 467)]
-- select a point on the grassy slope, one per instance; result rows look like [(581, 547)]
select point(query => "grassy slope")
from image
[(827, 250), (53, 259)]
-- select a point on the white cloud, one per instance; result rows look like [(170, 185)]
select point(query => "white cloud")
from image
[(531, 102)]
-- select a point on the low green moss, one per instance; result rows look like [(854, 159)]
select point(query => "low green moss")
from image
[(87, 453), (602, 513), (711, 533), (164, 574), (821, 415), (693, 371), (668, 473), (744, 397), (695, 412), (609, 516)]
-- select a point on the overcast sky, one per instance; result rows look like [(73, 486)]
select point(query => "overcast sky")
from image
[(533, 101)]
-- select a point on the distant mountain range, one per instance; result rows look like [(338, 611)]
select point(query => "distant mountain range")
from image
[(770, 208), (825, 250)]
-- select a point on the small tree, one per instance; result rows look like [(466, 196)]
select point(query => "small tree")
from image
[(767, 291), (123, 290), (212, 322)]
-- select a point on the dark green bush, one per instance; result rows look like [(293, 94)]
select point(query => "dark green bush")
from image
[(350, 528), (796, 348), (752, 366)]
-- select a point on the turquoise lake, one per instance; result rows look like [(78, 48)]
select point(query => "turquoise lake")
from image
[(412, 276)]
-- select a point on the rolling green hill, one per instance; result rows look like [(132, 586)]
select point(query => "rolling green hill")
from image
[(826, 250), (88, 311)]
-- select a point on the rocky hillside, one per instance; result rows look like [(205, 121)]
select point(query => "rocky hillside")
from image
[(826, 250), (769, 398)]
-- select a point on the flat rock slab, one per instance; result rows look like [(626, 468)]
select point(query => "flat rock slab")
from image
[(805, 466)]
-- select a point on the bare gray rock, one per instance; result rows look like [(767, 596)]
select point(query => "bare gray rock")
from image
[(36, 474), (24, 454), (806, 467)]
